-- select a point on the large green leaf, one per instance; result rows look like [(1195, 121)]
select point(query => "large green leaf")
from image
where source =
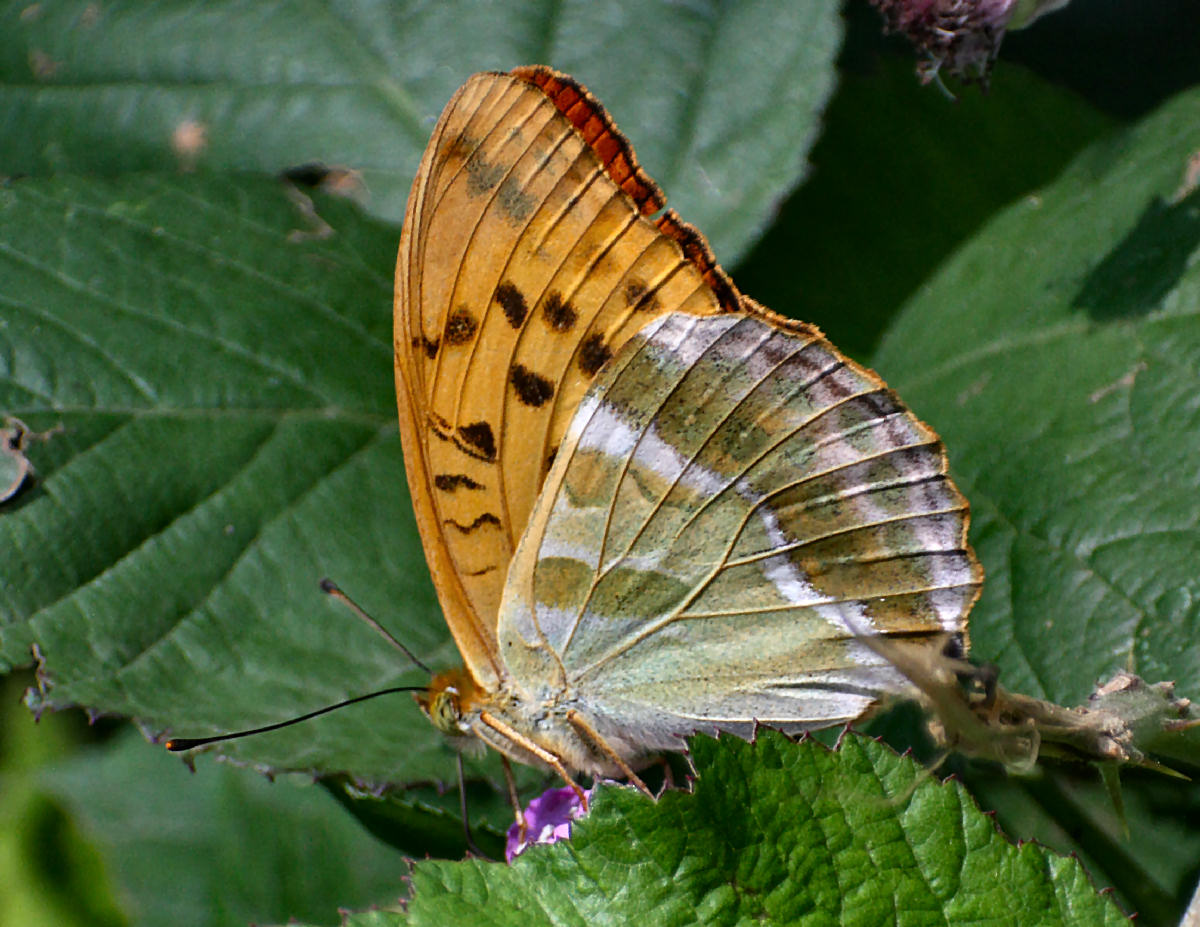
[(222, 378), (774, 833), (1149, 855), (221, 847), (224, 388), (1058, 355), (836, 258), (724, 96), (116, 833)]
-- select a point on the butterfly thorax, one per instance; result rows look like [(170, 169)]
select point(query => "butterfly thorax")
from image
[(526, 728)]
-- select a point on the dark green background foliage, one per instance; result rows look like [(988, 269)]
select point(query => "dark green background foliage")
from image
[(215, 345)]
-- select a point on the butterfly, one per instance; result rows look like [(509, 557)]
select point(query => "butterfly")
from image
[(650, 506)]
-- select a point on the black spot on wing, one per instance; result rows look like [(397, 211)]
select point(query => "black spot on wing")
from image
[(639, 298), (560, 314), (482, 174), (487, 518), (513, 304), (532, 389), (478, 440), (515, 203), (593, 354), (421, 343), (452, 482), (461, 146), (460, 327)]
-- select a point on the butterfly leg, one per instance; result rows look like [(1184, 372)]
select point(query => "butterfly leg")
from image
[(541, 753), (515, 800), (589, 733)]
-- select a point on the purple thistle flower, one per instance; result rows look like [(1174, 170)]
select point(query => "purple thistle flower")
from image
[(547, 820), (961, 37)]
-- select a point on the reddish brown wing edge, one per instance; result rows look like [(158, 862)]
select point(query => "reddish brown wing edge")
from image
[(615, 152)]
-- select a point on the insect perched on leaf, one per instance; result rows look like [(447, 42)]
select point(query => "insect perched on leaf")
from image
[(15, 468), (650, 506)]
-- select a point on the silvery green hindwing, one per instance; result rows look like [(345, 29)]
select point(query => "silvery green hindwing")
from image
[(734, 509)]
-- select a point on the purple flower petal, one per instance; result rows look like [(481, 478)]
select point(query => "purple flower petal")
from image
[(547, 820), (961, 37)]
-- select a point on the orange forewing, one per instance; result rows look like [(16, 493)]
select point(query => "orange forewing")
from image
[(527, 259)]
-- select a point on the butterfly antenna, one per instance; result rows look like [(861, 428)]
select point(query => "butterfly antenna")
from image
[(329, 587), (179, 744)]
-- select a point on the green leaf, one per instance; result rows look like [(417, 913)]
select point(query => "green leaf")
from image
[(724, 98), (1150, 858), (220, 847), (53, 876), (775, 833), (850, 247), (424, 821), (228, 438), (1056, 354), (225, 392)]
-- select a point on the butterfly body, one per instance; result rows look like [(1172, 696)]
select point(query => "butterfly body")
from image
[(650, 506), (538, 728)]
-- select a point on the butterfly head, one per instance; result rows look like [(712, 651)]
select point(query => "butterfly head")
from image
[(449, 696)]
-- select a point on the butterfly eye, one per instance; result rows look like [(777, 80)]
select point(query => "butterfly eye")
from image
[(444, 711)]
